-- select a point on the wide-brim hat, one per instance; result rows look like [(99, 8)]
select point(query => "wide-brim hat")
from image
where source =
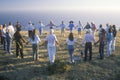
[(71, 22)]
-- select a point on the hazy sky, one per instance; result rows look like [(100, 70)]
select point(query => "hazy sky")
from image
[(45, 5)]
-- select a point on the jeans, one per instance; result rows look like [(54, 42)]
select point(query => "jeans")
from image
[(9, 43), (71, 52), (51, 53), (109, 48), (35, 48), (41, 31), (101, 50), (88, 46)]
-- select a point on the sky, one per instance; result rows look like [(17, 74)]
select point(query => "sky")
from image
[(60, 5)]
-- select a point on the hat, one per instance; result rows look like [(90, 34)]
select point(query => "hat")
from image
[(71, 22)]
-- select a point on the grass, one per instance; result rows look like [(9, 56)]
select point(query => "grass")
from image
[(12, 68)]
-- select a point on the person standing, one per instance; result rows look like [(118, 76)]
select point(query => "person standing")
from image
[(4, 36), (34, 39), (101, 41), (88, 38), (8, 41), (71, 26), (1, 40), (30, 28), (80, 27), (93, 28), (114, 37), (87, 27), (109, 41), (62, 26), (11, 32), (40, 28), (18, 26), (70, 42), (11, 29), (51, 41), (51, 25), (19, 43)]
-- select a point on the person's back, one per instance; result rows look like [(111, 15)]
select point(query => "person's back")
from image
[(11, 28), (51, 38), (17, 36)]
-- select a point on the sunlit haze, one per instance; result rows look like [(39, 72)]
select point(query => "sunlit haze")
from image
[(60, 5)]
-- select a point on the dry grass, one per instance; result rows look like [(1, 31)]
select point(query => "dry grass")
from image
[(26, 69)]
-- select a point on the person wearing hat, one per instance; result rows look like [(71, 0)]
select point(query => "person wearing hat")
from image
[(30, 28), (88, 38), (71, 26), (51, 41)]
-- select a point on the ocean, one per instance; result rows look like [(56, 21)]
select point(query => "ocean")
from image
[(84, 16)]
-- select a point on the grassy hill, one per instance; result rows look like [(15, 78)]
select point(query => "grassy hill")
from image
[(12, 68)]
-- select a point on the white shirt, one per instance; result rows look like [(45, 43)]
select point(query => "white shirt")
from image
[(51, 39), (11, 29), (30, 27), (71, 42), (40, 26), (4, 32), (88, 38), (36, 40)]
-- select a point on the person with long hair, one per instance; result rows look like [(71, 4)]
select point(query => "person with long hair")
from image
[(34, 39), (70, 42)]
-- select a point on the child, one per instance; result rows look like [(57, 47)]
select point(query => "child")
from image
[(70, 41), (34, 39)]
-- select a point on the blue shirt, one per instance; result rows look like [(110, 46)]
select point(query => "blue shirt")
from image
[(71, 26)]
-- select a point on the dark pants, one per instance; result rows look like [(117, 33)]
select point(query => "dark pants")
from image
[(29, 33), (4, 43), (1, 40), (71, 52), (35, 51), (19, 49), (88, 47), (101, 50)]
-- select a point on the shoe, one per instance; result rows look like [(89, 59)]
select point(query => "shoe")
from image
[(11, 53)]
